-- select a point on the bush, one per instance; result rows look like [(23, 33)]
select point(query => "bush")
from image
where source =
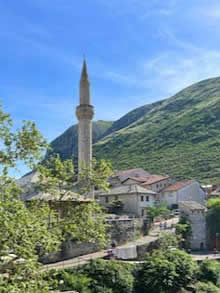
[(107, 275), (210, 271), (206, 288), (166, 272)]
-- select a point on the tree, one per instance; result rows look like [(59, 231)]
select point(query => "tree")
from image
[(157, 210), (109, 277), (28, 230), (22, 230), (213, 216), (168, 240), (95, 177), (58, 179), (166, 271), (115, 206), (209, 271), (184, 231), (98, 276), (206, 288)]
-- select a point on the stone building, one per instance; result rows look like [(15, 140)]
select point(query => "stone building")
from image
[(134, 197), (189, 190), (196, 214), (153, 182)]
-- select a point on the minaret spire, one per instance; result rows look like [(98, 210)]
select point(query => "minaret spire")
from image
[(84, 113), (84, 74), (84, 86)]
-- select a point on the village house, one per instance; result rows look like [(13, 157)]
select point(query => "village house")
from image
[(189, 190), (135, 198)]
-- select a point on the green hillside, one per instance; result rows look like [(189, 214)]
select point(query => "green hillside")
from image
[(67, 143), (179, 136)]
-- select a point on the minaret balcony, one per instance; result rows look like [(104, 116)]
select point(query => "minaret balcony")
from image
[(85, 112)]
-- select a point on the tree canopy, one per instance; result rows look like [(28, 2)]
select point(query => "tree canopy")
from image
[(29, 230), (213, 216), (166, 271)]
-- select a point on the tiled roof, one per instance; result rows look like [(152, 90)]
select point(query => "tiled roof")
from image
[(126, 189), (178, 185), (136, 172), (69, 196), (154, 179), (138, 179), (191, 205)]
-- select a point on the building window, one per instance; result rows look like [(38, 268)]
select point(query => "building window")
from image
[(142, 212), (116, 197), (147, 198), (142, 198), (106, 199), (157, 185)]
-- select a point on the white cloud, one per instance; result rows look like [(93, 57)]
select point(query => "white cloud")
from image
[(171, 72)]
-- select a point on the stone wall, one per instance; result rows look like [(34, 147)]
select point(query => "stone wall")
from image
[(122, 229)]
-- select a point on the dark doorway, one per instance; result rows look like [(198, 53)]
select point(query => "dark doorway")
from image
[(201, 246)]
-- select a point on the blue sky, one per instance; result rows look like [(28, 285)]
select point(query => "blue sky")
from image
[(138, 51)]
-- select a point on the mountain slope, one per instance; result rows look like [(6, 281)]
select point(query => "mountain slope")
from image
[(67, 143), (179, 136), (130, 118)]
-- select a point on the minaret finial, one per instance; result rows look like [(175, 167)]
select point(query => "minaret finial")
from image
[(84, 74)]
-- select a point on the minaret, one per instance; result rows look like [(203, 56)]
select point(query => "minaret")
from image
[(84, 113)]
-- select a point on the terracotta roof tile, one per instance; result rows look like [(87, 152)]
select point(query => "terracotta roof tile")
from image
[(154, 179), (138, 179), (135, 172), (178, 185)]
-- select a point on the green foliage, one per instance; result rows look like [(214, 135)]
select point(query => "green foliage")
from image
[(56, 177), (210, 272), (28, 230), (25, 144), (159, 209), (166, 271), (23, 231), (184, 231), (168, 241), (206, 288), (70, 281), (179, 136), (213, 216), (115, 206), (111, 276), (95, 177)]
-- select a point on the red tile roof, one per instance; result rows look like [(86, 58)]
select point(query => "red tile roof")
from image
[(136, 172), (138, 179), (154, 179), (178, 185)]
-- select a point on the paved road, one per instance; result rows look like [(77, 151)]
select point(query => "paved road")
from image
[(76, 261), (204, 256)]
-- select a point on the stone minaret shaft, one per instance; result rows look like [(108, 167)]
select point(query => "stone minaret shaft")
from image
[(84, 113)]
